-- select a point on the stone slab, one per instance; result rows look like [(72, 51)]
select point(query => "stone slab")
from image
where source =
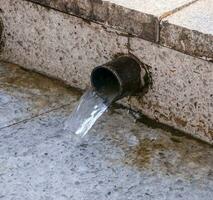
[(117, 160), (182, 27), (190, 30), (139, 18), (182, 89), (68, 48), (25, 94), (153, 7)]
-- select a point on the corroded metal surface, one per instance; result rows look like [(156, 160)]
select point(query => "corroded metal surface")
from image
[(119, 78)]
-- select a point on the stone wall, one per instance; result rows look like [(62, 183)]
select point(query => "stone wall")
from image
[(67, 47)]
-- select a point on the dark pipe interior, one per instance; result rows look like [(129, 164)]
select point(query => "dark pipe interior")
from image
[(108, 91)]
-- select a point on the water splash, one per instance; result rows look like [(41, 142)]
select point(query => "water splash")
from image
[(84, 116)]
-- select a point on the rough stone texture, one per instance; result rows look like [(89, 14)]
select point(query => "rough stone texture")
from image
[(1, 31), (190, 30), (67, 48), (54, 43), (25, 94), (187, 27), (182, 90), (117, 160), (137, 23), (153, 7), (139, 18)]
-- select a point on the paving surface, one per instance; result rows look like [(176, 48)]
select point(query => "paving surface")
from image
[(23, 96), (68, 48), (190, 30), (197, 17), (155, 8), (118, 159)]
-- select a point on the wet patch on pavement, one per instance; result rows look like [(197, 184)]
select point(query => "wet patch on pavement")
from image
[(119, 159), (25, 94)]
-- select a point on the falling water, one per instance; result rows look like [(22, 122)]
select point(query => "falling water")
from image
[(88, 111)]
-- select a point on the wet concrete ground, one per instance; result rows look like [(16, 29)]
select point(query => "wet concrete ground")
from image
[(118, 159)]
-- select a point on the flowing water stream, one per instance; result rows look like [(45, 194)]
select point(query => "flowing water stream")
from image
[(84, 116)]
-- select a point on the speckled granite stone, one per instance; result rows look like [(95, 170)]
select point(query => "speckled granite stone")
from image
[(25, 94), (1, 38), (182, 90), (140, 18), (55, 43), (117, 160), (190, 30), (182, 21), (104, 12), (67, 48)]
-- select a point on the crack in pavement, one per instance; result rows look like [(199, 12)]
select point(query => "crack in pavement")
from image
[(35, 116)]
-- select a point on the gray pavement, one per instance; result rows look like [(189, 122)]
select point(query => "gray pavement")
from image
[(67, 47), (190, 30), (119, 159)]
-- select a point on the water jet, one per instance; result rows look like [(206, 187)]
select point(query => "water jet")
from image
[(121, 77)]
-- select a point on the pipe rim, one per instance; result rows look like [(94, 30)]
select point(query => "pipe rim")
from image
[(116, 76)]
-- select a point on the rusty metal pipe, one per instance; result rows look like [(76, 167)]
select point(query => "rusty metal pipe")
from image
[(118, 78)]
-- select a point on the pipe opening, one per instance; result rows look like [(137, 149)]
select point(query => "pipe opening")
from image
[(121, 77), (100, 77)]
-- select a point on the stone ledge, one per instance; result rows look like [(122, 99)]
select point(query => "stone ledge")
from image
[(67, 48), (130, 21), (140, 19), (149, 20), (190, 30)]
